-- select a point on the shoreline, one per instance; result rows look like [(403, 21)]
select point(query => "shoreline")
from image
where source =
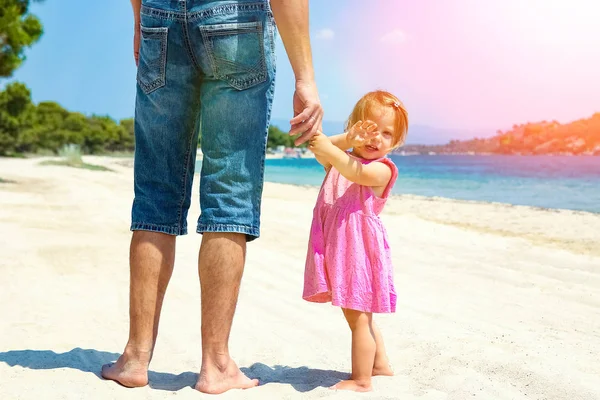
[(127, 162), (409, 196)]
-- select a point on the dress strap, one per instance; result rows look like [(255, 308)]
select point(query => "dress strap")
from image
[(392, 181)]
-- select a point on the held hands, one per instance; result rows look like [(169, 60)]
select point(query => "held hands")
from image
[(320, 145), (308, 113), (361, 132)]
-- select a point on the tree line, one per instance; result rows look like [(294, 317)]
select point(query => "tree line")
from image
[(47, 127)]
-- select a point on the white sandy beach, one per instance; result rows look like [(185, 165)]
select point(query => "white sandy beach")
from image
[(494, 302)]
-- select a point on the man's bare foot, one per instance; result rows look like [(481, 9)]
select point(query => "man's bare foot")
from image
[(217, 379), (356, 386), (384, 370), (129, 371)]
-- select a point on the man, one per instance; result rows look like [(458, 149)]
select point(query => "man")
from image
[(209, 66)]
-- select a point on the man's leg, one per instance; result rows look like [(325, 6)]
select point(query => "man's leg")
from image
[(151, 261), (234, 49), (220, 266), (166, 137)]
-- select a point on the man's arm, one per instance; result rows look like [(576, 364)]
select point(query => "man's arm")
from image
[(292, 23), (137, 5), (291, 17)]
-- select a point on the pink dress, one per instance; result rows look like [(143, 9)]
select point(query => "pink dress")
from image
[(349, 261)]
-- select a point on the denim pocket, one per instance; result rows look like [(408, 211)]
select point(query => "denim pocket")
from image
[(152, 59), (236, 53)]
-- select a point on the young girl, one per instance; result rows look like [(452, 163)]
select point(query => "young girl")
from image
[(348, 261)]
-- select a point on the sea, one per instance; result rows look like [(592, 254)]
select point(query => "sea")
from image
[(558, 182)]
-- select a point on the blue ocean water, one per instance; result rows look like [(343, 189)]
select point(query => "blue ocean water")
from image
[(541, 181)]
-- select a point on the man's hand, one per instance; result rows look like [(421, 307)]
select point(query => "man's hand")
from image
[(292, 22), (360, 133), (136, 44), (320, 145), (308, 113)]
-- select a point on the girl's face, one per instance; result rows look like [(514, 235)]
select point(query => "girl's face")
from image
[(382, 142)]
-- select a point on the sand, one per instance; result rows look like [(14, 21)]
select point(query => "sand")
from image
[(495, 301)]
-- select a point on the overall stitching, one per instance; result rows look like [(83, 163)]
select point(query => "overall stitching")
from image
[(262, 161), (202, 14), (236, 83), (208, 49), (171, 230), (270, 92), (163, 34), (161, 14), (225, 9), (189, 148), (188, 43)]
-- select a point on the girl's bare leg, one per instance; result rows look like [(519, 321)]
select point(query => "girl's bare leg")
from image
[(363, 351), (381, 366)]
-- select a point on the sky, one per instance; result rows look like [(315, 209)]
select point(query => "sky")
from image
[(456, 64)]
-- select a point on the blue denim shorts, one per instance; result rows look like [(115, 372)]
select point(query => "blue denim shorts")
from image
[(204, 66)]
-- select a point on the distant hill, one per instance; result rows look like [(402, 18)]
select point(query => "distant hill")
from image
[(574, 138), (429, 135), (417, 134)]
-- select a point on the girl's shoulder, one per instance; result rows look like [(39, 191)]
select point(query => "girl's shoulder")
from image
[(386, 161), (394, 169)]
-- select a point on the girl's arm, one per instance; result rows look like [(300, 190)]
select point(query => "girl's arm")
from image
[(321, 160), (355, 136), (375, 174), (341, 142)]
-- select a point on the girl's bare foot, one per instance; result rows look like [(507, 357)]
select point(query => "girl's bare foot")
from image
[(217, 379), (354, 385)]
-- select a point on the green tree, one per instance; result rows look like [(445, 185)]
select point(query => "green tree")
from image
[(14, 102), (18, 30), (103, 132), (45, 129), (279, 138), (126, 140)]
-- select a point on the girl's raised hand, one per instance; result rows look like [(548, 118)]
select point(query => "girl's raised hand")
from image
[(361, 132)]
